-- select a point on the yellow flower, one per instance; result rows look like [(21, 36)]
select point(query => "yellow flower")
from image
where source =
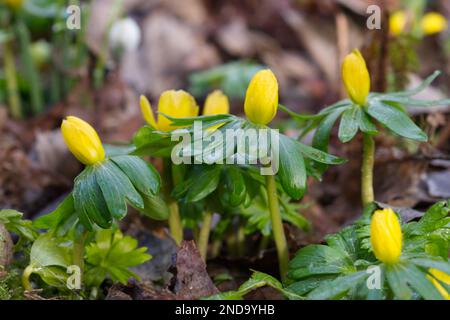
[(432, 23), (397, 22), (82, 140), (216, 103), (174, 103), (261, 99), (14, 3), (356, 77), (386, 236), (442, 276)]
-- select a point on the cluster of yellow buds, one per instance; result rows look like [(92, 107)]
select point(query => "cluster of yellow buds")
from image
[(431, 23), (174, 103), (356, 77), (386, 236)]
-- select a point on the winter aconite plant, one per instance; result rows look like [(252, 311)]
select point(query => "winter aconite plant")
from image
[(363, 112)]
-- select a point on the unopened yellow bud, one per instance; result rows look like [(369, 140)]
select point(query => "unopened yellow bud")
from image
[(433, 23), (82, 140), (441, 276), (386, 236), (356, 77), (397, 22), (174, 103), (216, 103), (261, 99)]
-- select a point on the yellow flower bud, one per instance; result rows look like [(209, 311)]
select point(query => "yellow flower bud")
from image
[(397, 22), (386, 236), (82, 140), (433, 23), (356, 77), (216, 103), (261, 99), (174, 103), (442, 276), (14, 3)]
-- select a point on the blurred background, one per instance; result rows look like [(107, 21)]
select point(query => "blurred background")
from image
[(94, 58)]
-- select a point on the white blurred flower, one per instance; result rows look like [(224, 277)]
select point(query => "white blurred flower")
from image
[(124, 35)]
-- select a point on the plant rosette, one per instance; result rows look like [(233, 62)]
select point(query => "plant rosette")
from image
[(108, 183), (378, 257)]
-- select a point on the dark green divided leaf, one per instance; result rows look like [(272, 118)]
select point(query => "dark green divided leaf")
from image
[(318, 260), (365, 123), (89, 199), (201, 182), (417, 279), (116, 188), (144, 177), (322, 135), (291, 171), (338, 286), (349, 124), (234, 185), (155, 207), (152, 143), (396, 120)]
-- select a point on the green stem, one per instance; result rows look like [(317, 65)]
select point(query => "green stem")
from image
[(31, 73), (263, 243), (26, 278), (11, 81), (204, 234), (176, 230), (367, 194), (215, 247), (78, 250), (240, 241), (277, 226)]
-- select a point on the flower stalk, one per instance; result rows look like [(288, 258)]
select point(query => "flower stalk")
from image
[(368, 158), (204, 234), (11, 81), (277, 226)]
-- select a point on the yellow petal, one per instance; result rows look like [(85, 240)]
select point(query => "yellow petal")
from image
[(82, 140), (147, 112), (441, 276), (386, 236), (216, 103), (356, 77), (177, 104), (397, 22), (261, 99), (433, 23)]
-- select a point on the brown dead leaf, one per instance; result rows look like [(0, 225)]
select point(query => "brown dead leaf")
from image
[(192, 280)]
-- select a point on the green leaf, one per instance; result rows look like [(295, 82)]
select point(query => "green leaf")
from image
[(319, 156), (417, 279), (89, 199), (116, 188), (396, 120), (155, 207), (318, 259), (113, 254), (292, 171), (234, 186), (365, 123), (432, 263), (349, 124), (152, 143), (144, 176), (47, 251), (14, 222), (322, 135), (202, 181), (397, 282), (338, 286)]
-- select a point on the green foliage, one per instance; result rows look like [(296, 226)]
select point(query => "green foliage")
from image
[(339, 269), (111, 255), (13, 221), (257, 280)]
